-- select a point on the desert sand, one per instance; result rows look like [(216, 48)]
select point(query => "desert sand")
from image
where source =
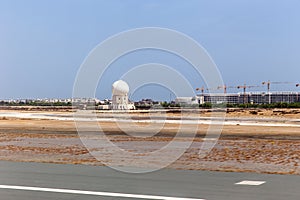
[(262, 141)]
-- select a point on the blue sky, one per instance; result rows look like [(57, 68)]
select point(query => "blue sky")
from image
[(43, 43)]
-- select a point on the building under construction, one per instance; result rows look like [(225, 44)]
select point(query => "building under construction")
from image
[(267, 97), (250, 97)]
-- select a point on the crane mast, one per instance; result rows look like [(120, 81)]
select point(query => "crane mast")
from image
[(244, 87), (268, 83)]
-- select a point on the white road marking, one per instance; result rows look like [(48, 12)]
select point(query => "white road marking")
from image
[(108, 194), (255, 183), (209, 139)]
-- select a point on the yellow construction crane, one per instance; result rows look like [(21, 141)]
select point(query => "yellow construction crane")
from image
[(297, 85), (201, 89), (224, 87), (268, 83), (244, 87)]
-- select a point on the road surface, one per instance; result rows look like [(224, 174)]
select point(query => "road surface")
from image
[(35, 181)]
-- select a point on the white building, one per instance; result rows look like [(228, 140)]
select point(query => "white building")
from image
[(120, 91), (189, 100)]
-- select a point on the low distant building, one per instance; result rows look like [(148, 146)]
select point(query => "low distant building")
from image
[(188, 100), (240, 98), (253, 97), (104, 107), (146, 104), (130, 106), (273, 97), (220, 98)]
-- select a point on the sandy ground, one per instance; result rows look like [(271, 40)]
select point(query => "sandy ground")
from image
[(270, 146)]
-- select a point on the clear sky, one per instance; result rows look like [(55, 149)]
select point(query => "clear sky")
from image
[(44, 42)]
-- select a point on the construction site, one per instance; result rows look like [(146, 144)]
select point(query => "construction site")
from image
[(246, 96)]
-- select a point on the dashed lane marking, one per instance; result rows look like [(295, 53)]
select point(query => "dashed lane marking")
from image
[(254, 183)]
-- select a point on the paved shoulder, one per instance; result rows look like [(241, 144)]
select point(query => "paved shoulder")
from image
[(53, 181)]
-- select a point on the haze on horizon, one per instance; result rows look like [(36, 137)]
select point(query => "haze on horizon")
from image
[(43, 43)]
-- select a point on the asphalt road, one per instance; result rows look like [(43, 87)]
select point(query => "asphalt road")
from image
[(35, 181)]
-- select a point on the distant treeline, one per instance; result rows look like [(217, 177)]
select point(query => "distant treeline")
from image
[(272, 105), (165, 105)]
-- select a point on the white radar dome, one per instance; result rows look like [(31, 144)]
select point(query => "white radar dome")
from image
[(120, 88)]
